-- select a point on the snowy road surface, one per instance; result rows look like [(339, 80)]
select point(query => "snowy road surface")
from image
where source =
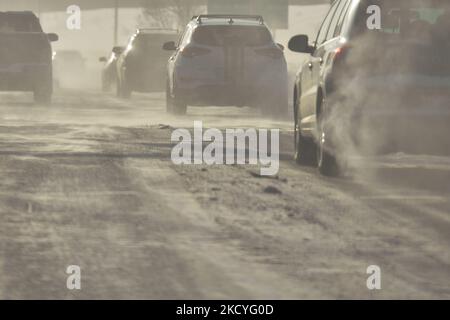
[(89, 182)]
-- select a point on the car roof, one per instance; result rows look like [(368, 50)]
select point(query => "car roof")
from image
[(22, 13), (145, 31), (228, 19)]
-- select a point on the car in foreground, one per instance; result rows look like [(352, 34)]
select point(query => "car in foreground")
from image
[(141, 67), (377, 79), (227, 60), (109, 71), (25, 55)]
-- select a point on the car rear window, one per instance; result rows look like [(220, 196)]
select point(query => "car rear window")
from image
[(19, 23), (153, 41), (252, 36)]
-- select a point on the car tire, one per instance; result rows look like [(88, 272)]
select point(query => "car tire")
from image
[(327, 162), (43, 96), (169, 100), (174, 105), (305, 149), (179, 107), (125, 90), (118, 89)]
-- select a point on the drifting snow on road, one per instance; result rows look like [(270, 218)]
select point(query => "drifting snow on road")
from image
[(89, 182)]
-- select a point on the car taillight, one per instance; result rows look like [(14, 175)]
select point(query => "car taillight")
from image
[(342, 66), (339, 55), (274, 53), (190, 52)]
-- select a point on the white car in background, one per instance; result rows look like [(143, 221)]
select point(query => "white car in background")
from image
[(227, 60)]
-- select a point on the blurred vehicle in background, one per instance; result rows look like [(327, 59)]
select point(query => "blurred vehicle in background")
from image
[(141, 67), (109, 72), (25, 55), (373, 88), (69, 69), (227, 60)]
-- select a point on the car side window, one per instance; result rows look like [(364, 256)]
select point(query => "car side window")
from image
[(322, 36), (344, 15), (335, 19)]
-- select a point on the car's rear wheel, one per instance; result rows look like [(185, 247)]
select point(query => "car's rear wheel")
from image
[(305, 149), (43, 95), (169, 102), (123, 88), (326, 159), (118, 89), (174, 105)]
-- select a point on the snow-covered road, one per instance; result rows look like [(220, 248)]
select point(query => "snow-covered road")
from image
[(89, 182)]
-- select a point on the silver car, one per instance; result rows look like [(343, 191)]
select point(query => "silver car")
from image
[(227, 60)]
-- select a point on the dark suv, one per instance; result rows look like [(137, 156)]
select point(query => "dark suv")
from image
[(141, 67), (25, 55), (227, 60), (377, 77)]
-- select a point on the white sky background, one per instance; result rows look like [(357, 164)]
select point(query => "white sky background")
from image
[(96, 35)]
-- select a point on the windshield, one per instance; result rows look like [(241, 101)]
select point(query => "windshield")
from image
[(19, 23), (226, 35), (153, 41)]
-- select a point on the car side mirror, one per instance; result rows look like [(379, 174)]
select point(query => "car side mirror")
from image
[(300, 44), (118, 50), (280, 46), (52, 37), (102, 59), (170, 46)]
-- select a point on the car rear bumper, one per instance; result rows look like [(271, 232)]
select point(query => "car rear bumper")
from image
[(226, 95), (24, 77), (146, 79), (208, 85)]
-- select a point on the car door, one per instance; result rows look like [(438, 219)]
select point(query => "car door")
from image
[(310, 78)]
